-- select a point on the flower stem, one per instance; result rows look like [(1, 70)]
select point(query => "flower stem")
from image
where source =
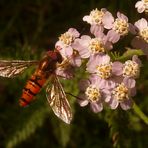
[(129, 53), (140, 113)]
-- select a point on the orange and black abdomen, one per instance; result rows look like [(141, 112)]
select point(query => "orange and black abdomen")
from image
[(46, 68), (32, 87)]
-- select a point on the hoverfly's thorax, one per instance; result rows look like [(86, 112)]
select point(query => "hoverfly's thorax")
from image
[(49, 63)]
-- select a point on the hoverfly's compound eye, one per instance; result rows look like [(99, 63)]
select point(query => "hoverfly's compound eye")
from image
[(55, 55)]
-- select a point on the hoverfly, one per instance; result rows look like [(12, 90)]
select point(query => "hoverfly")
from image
[(46, 69)]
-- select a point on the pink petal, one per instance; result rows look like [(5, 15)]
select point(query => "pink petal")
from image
[(68, 51), (137, 60), (85, 37), (141, 24), (126, 104), (106, 95), (74, 32), (130, 83), (87, 19), (97, 81), (113, 103), (96, 107), (82, 47), (59, 44), (117, 68), (82, 100), (83, 103), (76, 44), (97, 30), (122, 16), (108, 20), (133, 92), (84, 53), (103, 59), (92, 63), (139, 4), (108, 45), (106, 83), (141, 9), (75, 61), (112, 36)]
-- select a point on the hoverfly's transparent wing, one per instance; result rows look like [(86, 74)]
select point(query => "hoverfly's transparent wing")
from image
[(13, 68), (58, 101)]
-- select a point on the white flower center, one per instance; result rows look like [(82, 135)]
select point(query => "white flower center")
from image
[(96, 46), (96, 16), (131, 69), (104, 70), (144, 34), (92, 93), (67, 38), (120, 92), (121, 26)]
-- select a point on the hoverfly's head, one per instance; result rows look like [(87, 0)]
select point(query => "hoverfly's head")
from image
[(55, 55)]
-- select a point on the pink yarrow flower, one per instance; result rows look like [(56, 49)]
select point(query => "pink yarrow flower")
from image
[(122, 94), (142, 6), (101, 66), (95, 17), (130, 69), (64, 45), (142, 29), (87, 46), (141, 40), (92, 92), (119, 26)]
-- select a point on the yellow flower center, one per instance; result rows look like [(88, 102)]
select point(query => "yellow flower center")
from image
[(121, 26), (146, 6), (131, 69), (120, 92), (96, 16), (67, 38), (96, 46), (92, 93), (104, 71), (144, 34)]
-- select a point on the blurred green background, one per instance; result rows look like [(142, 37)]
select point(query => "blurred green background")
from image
[(27, 30)]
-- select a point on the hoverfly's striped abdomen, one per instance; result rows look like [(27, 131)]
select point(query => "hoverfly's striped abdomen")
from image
[(47, 66), (32, 87)]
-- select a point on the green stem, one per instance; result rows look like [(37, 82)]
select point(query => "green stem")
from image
[(129, 53), (140, 113)]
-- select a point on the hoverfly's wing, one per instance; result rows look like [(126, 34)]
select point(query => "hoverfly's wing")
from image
[(13, 68), (58, 101)]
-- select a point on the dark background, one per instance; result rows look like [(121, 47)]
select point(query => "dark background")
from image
[(27, 30)]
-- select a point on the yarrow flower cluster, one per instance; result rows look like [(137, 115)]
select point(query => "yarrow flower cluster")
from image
[(109, 81)]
